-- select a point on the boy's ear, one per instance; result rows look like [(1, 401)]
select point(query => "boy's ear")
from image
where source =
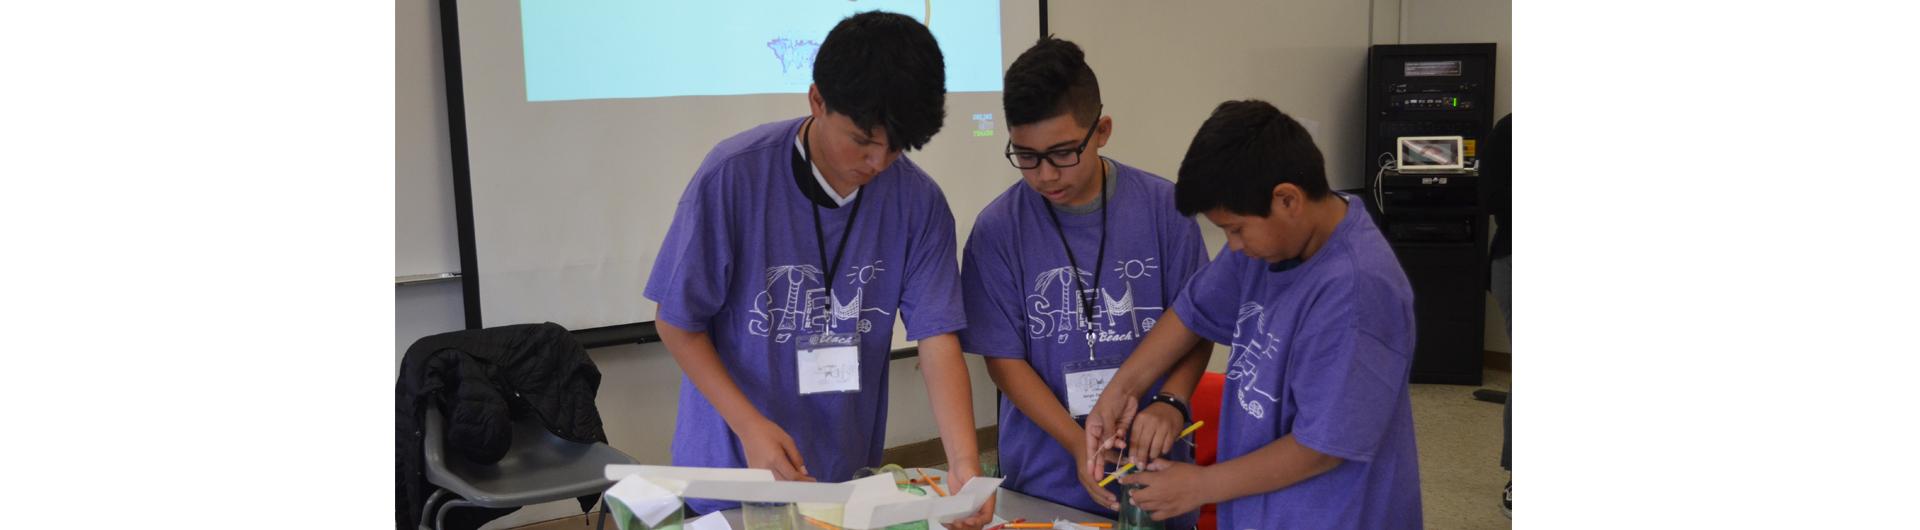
[(1286, 197)]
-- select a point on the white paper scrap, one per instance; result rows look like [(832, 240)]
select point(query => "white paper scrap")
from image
[(1063, 524), (712, 521), (648, 501)]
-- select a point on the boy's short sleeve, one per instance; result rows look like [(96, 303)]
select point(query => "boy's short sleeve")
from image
[(1209, 304), (1348, 381), (995, 322), (690, 275), (1184, 250), (930, 300)]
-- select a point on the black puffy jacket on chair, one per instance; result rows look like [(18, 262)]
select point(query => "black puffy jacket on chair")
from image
[(479, 378)]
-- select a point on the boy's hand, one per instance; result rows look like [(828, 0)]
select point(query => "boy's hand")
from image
[(769, 447), (1171, 489), (1107, 426), (1099, 495), (1155, 430), (959, 475)]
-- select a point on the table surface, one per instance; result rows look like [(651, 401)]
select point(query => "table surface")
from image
[(1008, 506)]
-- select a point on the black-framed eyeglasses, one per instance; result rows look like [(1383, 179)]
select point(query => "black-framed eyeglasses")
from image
[(1060, 158)]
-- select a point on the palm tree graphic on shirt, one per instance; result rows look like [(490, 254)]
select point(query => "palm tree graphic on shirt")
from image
[(1056, 315), (783, 320)]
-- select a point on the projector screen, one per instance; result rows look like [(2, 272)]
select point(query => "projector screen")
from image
[(585, 120)]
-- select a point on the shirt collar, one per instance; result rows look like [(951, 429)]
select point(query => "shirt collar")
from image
[(821, 180), (1099, 201)]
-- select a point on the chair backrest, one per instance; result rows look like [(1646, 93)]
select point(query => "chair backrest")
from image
[(1206, 407)]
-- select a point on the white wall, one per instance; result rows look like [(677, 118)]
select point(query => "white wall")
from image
[(1444, 21)]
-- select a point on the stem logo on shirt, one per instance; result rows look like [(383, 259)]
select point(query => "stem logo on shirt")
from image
[(1053, 309), (1253, 347), (796, 301)]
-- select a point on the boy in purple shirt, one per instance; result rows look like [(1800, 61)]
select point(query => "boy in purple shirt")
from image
[(1316, 423), (1064, 273), (793, 249)]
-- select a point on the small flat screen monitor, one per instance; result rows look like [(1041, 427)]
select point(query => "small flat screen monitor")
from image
[(1431, 153)]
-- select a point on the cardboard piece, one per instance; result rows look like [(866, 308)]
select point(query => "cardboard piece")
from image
[(872, 502), (620, 471)]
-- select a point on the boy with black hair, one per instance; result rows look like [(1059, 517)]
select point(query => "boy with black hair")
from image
[(792, 250), (1317, 428), (1064, 273)]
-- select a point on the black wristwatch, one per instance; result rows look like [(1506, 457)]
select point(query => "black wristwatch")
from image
[(1186, 416)]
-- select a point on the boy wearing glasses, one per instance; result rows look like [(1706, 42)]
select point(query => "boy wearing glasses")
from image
[(1064, 273), (1317, 431), (793, 249)]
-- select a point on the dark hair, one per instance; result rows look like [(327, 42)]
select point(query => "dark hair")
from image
[(884, 69), (1050, 79), (1242, 151)]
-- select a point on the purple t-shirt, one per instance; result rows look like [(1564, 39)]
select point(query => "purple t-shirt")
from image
[(1321, 351), (741, 263), (1021, 303)]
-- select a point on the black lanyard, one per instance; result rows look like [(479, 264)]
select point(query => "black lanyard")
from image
[(1086, 302), (819, 232)]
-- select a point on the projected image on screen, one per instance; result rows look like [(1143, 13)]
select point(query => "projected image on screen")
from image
[(610, 49)]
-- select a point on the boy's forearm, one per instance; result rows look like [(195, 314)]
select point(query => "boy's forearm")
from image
[(1186, 374), (1280, 464), (951, 393), (1169, 342), (1035, 399)]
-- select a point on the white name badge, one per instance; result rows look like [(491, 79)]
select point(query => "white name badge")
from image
[(1085, 381), (829, 362)]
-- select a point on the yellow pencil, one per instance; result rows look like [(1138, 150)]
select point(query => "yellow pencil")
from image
[(1129, 467), (1189, 430), (1116, 474)]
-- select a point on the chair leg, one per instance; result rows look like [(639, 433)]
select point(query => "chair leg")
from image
[(440, 521), (602, 503), (426, 512)]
